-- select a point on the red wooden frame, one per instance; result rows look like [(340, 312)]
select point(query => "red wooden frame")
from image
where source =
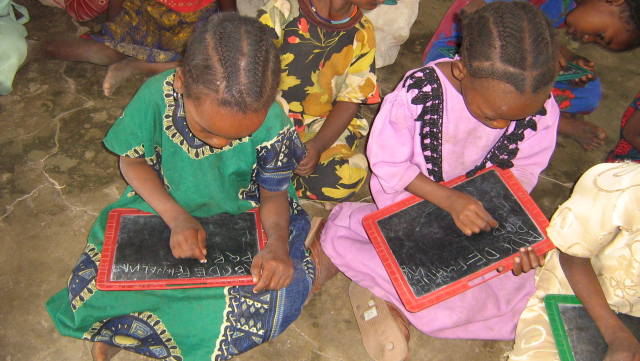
[(104, 282), (398, 279)]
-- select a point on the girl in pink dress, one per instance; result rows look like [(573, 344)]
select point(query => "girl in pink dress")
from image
[(491, 106)]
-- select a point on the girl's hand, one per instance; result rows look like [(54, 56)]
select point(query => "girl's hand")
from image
[(624, 347), (587, 64), (272, 268), (309, 163), (188, 238), (562, 61), (468, 213), (527, 261)]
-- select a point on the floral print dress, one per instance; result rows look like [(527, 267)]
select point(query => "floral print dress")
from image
[(625, 151), (323, 64)]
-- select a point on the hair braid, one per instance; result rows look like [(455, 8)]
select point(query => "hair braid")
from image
[(512, 42), (630, 14), (233, 58)]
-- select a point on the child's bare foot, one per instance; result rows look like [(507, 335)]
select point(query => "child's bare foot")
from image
[(103, 352), (128, 67), (118, 73), (329, 205), (325, 269), (587, 134)]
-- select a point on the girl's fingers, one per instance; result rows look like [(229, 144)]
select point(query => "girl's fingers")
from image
[(202, 242), (526, 261), (256, 266), (178, 249), (517, 266), (533, 258), (487, 218), (265, 279)]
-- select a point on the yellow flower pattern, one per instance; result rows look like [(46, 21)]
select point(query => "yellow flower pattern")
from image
[(322, 64)]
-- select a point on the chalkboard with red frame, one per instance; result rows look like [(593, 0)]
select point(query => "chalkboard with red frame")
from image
[(430, 260), (136, 254)]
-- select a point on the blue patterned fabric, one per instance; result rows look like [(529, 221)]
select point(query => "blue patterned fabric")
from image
[(149, 30), (82, 282), (140, 332), (254, 318), (278, 159)]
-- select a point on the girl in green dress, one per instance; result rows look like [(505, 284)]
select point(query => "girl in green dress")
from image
[(204, 139)]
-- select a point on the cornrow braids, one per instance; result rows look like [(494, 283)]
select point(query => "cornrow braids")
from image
[(631, 16), (232, 57), (513, 42)]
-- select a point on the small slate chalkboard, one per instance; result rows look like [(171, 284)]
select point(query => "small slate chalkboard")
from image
[(137, 254), (577, 336), (429, 259)]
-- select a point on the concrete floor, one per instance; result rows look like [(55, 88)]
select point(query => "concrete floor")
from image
[(56, 176)]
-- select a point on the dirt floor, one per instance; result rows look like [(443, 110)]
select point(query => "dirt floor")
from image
[(56, 176)]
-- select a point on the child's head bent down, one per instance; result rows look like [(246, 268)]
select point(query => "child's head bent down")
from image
[(229, 78), (613, 24), (509, 61)]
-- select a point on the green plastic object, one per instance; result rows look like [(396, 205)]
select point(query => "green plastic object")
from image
[(572, 71), (551, 303), (450, 51), (390, 2)]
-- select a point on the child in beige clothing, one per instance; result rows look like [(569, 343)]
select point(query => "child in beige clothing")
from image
[(597, 233)]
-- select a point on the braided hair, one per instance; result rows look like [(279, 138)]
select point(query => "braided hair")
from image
[(232, 57), (630, 14), (513, 42)]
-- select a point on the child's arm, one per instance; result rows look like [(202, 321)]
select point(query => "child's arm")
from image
[(337, 121), (113, 9), (568, 55), (469, 215), (623, 346), (272, 268), (188, 238), (467, 212), (227, 5), (631, 131)]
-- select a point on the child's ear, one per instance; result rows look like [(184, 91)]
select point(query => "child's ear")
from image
[(178, 81), (458, 70)]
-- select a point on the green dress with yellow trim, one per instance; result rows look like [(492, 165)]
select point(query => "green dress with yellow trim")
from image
[(199, 323)]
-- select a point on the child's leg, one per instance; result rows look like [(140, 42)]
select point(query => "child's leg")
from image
[(79, 49), (129, 67), (342, 170), (103, 352), (574, 100)]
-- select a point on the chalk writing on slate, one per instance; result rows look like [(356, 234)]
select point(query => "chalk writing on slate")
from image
[(585, 339), (143, 251), (432, 252)]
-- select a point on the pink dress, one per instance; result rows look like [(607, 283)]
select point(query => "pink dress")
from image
[(397, 154)]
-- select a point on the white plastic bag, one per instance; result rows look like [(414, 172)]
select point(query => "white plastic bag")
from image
[(392, 24), (13, 45), (250, 7)]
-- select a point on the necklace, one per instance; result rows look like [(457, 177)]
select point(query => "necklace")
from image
[(334, 22)]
